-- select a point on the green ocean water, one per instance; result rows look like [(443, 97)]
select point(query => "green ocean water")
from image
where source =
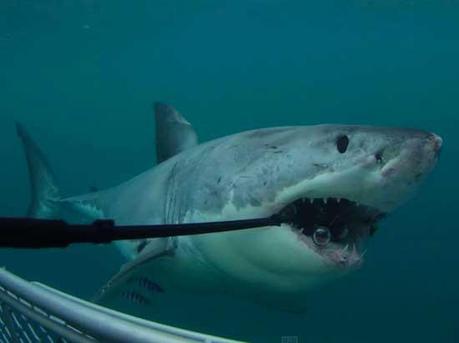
[(82, 75)]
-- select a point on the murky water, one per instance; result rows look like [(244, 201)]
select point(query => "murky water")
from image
[(82, 75)]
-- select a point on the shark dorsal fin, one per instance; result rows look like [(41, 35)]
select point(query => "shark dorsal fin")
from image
[(173, 132)]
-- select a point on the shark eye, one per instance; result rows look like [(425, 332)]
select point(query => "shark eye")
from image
[(341, 143)]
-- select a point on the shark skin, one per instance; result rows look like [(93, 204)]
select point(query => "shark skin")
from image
[(337, 181)]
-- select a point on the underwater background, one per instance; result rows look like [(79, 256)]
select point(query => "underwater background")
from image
[(82, 76)]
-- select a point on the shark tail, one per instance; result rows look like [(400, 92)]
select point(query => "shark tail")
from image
[(44, 191)]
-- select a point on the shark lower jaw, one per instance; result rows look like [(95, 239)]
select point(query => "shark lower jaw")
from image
[(333, 228)]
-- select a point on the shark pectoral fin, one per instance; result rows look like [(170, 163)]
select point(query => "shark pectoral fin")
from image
[(174, 133), (135, 281), (45, 193)]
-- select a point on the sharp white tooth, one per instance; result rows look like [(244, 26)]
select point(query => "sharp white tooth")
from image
[(310, 200), (325, 200), (345, 249), (363, 253), (338, 199)]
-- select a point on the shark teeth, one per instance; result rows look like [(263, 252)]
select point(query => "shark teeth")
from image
[(347, 222), (324, 200)]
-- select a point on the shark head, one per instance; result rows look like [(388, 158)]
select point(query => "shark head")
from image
[(331, 184)]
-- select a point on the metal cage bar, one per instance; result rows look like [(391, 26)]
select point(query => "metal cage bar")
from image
[(33, 312)]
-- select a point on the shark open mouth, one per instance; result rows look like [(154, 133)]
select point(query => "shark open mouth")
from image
[(332, 220)]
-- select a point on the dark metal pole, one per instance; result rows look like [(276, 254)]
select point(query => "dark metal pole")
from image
[(44, 233)]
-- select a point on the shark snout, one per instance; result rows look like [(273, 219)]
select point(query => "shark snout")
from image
[(417, 157), (424, 155), (437, 142)]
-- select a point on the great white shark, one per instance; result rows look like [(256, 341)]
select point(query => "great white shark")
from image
[(332, 183)]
